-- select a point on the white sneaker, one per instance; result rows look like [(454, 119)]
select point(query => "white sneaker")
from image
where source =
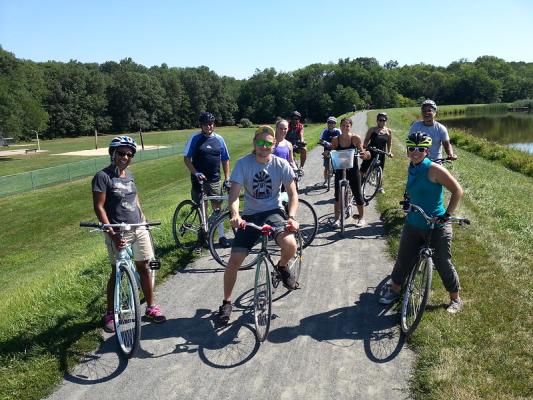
[(381, 190), (360, 223), (337, 224), (455, 306)]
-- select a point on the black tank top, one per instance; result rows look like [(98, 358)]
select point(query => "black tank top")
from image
[(378, 141)]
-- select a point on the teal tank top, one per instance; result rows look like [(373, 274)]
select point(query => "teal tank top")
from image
[(423, 193)]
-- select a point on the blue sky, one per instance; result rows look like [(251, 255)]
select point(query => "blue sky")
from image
[(235, 37)]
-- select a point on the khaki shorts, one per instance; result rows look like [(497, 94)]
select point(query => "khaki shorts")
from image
[(140, 241)]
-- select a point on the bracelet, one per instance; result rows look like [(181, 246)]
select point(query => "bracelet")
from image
[(290, 217)]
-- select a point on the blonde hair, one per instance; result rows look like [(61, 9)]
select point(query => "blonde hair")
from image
[(263, 130)]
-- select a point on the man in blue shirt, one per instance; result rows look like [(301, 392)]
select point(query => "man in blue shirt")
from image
[(325, 140), (203, 154)]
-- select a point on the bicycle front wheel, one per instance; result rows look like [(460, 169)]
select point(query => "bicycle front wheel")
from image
[(127, 310), (372, 183), (186, 225), (262, 299), (308, 220), (416, 295), (220, 253)]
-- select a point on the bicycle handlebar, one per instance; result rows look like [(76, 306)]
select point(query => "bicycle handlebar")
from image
[(415, 208), (121, 226), (376, 150)]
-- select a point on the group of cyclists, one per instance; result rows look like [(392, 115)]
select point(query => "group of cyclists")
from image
[(261, 175)]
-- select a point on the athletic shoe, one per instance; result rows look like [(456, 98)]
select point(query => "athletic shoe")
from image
[(337, 224), (223, 242), (224, 311), (109, 322), (455, 306), (154, 314), (389, 297), (288, 279), (360, 223)]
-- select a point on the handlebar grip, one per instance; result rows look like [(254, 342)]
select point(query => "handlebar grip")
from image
[(89, 224), (466, 221), (153, 223)]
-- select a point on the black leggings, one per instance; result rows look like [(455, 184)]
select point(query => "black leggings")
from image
[(354, 178)]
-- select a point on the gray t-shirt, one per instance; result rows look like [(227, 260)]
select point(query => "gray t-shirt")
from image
[(261, 182), (438, 134), (120, 202)]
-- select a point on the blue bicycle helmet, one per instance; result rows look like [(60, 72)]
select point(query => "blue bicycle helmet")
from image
[(122, 141)]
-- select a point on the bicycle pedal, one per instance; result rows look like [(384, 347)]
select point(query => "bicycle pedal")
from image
[(155, 264)]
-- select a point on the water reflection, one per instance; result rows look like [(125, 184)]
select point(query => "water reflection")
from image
[(513, 129)]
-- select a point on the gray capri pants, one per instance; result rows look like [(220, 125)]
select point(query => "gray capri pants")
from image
[(411, 240)]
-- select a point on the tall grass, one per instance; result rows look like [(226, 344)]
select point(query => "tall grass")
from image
[(54, 273), (486, 351)]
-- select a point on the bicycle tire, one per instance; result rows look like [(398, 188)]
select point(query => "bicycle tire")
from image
[(329, 174), (308, 220), (342, 206), (186, 225), (372, 183), (262, 299), (416, 295), (295, 263), (127, 312), (221, 254)]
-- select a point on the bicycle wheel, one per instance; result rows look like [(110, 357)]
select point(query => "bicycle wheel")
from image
[(127, 310), (308, 220), (342, 205), (222, 254), (295, 263), (262, 299), (416, 295), (372, 183), (329, 173), (186, 225)]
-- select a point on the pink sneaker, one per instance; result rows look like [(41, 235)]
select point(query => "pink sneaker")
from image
[(109, 322), (154, 314)]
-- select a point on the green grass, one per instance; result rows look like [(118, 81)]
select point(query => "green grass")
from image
[(486, 351), (54, 273)]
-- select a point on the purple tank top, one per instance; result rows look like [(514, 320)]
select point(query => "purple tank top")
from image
[(282, 152)]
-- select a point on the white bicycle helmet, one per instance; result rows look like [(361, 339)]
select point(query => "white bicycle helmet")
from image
[(122, 141)]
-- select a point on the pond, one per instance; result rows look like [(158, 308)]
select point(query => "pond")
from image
[(512, 129)]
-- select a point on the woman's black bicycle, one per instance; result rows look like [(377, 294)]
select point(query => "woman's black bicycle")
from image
[(373, 179), (267, 278), (418, 286)]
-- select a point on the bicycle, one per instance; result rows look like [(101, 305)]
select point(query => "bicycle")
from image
[(126, 303), (373, 179), (190, 223), (306, 216), (343, 160), (328, 167), (417, 288), (267, 279)]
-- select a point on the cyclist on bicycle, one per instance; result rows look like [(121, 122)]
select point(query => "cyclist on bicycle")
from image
[(435, 130), (348, 140), (203, 154), (379, 137), (425, 187), (261, 174), (115, 200), (283, 148), (325, 140), (295, 135)]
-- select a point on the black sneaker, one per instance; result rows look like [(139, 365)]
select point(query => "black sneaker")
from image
[(223, 242), (224, 311), (288, 279)]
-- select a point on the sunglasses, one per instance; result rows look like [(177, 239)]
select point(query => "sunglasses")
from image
[(382, 120), (265, 143), (420, 149), (124, 154)]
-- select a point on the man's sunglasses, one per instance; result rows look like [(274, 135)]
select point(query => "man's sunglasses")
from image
[(382, 120), (265, 143), (124, 154), (420, 149)]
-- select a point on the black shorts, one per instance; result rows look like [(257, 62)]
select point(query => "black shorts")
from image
[(245, 239)]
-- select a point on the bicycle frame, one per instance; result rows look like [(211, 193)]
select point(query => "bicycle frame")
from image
[(203, 205)]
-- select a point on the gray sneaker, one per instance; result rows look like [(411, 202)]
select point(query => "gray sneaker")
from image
[(224, 312), (455, 306), (389, 297)]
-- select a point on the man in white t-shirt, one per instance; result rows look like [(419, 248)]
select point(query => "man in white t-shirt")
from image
[(437, 131), (261, 175)]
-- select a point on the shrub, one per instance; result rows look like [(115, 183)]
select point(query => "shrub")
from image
[(245, 123)]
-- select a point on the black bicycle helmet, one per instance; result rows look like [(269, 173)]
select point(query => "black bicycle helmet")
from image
[(419, 139), (206, 118), (429, 103), (382, 115), (296, 114), (122, 141)]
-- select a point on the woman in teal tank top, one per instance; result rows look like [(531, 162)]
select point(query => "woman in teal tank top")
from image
[(425, 187)]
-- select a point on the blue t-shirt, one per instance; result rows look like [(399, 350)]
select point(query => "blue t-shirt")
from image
[(424, 193), (328, 135), (206, 153)]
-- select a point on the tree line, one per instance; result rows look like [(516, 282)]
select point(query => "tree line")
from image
[(72, 99)]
